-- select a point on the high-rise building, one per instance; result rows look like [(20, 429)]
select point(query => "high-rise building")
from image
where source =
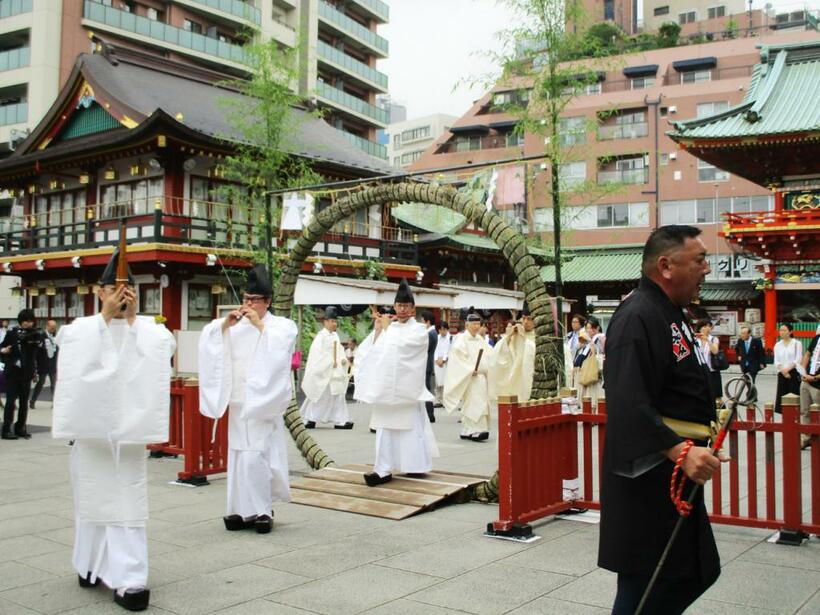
[(40, 40), (407, 140)]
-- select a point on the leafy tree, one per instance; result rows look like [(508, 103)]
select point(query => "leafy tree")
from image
[(668, 34)]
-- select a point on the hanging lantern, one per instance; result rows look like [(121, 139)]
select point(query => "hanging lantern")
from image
[(82, 289), (217, 289), (84, 179), (33, 291), (111, 174), (51, 291)]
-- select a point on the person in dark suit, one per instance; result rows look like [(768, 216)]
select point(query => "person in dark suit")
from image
[(18, 351), (432, 341), (750, 353)]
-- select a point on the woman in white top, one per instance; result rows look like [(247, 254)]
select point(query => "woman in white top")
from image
[(708, 347), (787, 355)]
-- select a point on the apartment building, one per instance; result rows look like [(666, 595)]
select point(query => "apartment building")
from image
[(408, 140), (40, 40), (615, 133)]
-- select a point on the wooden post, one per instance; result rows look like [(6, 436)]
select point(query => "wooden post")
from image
[(792, 488)]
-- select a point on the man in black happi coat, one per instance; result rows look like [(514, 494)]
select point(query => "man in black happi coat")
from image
[(657, 396)]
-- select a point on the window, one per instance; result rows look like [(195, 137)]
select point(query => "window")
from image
[(411, 157), (687, 17), (572, 174), (693, 76), (715, 11), (152, 14), (466, 144), (661, 10), (705, 211), (572, 130), (594, 88), (514, 139), (511, 97), (711, 108), (127, 199), (664, 158), (192, 26), (396, 140), (613, 215), (396, 161), (415, 133), (709, 173), (609, 9), (641, 83), (637, 117), (664, 111)]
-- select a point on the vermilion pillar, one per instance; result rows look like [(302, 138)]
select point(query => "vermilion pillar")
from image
[(778, 201), (770, 309)]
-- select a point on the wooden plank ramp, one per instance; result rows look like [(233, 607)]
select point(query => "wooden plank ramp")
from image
[(343, 488)]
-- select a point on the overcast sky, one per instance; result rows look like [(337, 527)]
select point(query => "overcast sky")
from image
[(434, 44)]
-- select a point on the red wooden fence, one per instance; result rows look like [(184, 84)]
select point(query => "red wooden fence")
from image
[(540, 448), (190, 435)]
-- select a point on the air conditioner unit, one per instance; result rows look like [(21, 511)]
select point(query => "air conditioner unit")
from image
[(673, 156), (673, 109)]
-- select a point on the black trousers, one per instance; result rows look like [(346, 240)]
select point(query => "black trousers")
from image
[(668, 597), (428, 382), (41, 381), (18, 388)]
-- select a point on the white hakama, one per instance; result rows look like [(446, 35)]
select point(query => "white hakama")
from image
[(406, 451), (328, 408)]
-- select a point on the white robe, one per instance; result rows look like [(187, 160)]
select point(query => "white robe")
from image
[(390, 379), (512, 365), (441, 352), (465, 392), (250, 371), (129, 367), (324, 384)]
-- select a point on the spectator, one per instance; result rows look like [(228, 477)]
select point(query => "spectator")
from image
[(18, 351), (810, 385), (46, 362), (708, 347), (586, 352), (577, 323), (750, 353), (4, 328), (432, 340), (787, 356)]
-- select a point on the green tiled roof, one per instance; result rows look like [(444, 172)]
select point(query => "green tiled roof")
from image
[(782, 98), (429, 218), (728, 292), (598, 266)]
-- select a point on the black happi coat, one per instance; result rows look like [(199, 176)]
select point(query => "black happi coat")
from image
[(651, 369)]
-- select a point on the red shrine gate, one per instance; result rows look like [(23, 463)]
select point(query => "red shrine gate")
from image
[(540, 449)]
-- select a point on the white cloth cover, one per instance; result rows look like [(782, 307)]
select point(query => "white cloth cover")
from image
[(441, 352), (129, 367), (251, 370), (118, 555), (406, 450), (462, 390), (320, 372), (328, 408), (512, 365)]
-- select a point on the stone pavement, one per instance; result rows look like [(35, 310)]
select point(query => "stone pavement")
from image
[(321, 561)]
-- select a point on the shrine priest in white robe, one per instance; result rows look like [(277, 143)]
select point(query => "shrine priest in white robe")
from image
[(244, 364), (512, 363), (440, 359), (112, 399), (326, 377), (392, 364), (465, 388)]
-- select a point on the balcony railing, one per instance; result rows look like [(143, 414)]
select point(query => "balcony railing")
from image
[(15, 58), (162, 33), (238, 8), (339, 58), (789, 220), (172, 220), (374, 149), (624, 176), (622, 131), (14, 114), (376, 7), (8, 8), (471, 144), (352, 27), (351, 102), (715, 74)]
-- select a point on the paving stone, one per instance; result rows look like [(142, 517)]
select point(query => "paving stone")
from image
[(405, 606), (419, 531), (550, 606), (219, 590), (806, 556), (785, 589), (260, 606), (574, 554), (496, 588), (57, 563), (812, 606), (704, 606), (56, 595), (31, 524), (9, 608), (353, 591), (325, 559), (595, 589), (21, 546), (110, 607), (14, 574), (447, 559)]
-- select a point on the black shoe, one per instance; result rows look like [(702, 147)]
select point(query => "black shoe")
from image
[(86, 581), (263, 524), (310, 424), (484, 435), (7, 435), (415, 474), (234, 523), (372, 479), (23, 434), (133, 600), (465, 437), (31, 404), (432, 418), (347, 425), (372, 430)]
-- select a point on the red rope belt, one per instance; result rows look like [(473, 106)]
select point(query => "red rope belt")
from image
[(676, 487)]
